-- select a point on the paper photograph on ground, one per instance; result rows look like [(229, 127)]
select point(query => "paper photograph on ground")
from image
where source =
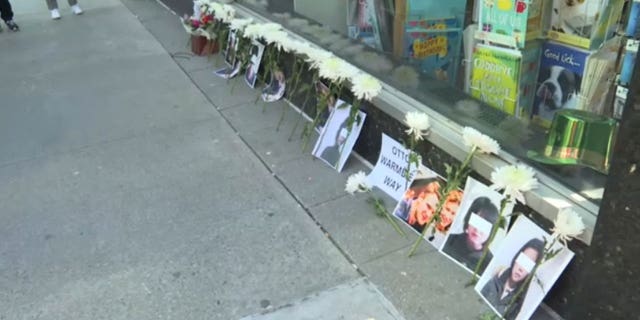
[(470, 230), (515, 259), (250, 76), (274, 91), (228, 72), (231, 49), (336, 141), (333, 101), (390, 172), (419, 203)]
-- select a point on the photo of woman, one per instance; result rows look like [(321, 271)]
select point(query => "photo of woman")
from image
[(472, 226), (251, 74), (513, 263), (500, 290), (276, 88), (419, 204)]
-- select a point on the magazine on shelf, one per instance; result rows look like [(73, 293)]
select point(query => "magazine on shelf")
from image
[(510, 23), (434, 44), (586, 24)]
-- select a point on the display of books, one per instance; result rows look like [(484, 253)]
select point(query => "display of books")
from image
[(586, 24), (434, 44), (573, 78), (494, 77), (510, 23)]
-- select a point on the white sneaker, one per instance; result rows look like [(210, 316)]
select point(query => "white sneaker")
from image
[(76, 9), (55, 14)]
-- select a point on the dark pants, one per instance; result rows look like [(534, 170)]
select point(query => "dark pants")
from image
[(5, 10)]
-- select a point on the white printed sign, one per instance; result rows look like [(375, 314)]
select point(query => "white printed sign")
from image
[(389, 174)]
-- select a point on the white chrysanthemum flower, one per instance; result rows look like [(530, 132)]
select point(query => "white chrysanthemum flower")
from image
[(357, 182), (299, 47), (252, 31), (568, 225), (515, 180), (213, 8), (336, 69), (276, 37), (271, 26), (406, 76), (227, 13), (315, 56), (239, 24), (484, 144), (418, 123), (365, 86)]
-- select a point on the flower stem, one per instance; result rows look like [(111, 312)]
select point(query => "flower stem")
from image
[(492, 235), (294, 84)]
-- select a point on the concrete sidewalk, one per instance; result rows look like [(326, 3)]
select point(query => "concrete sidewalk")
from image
[(134, 185)]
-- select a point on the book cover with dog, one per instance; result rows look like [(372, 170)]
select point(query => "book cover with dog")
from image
[(434, 44), (559, 81), (584, 23), (510, 23), (494, 77)]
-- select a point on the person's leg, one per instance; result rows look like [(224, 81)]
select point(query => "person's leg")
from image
[(75, 8), (53, 7), (5, 10), (6, 13), (52, 4)]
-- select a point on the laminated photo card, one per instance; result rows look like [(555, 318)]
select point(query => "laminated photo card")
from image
[(250, 76), (470, 230), (336, 140), (419, 203), (506, 275)]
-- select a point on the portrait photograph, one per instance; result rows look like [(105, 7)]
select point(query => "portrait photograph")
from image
[(471, 228), (230, 51), (335, 142), (419, 203), (251, 75), (276, 88), (228, 72), (333, 102), (514, 260)]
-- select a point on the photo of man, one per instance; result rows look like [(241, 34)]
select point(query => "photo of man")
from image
[(251, 75), (332, 101), (336, 142)]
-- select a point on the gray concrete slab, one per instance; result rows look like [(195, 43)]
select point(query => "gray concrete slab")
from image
[(426, 286), (223, 97), (257, 116), (124, 193), (351, 222), (356, 300), (313, 181), (272, 146)]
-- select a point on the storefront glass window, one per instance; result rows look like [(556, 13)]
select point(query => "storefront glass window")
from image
[(504, 83)]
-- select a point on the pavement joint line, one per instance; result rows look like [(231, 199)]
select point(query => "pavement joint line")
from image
[(76, 150), (282, 183)]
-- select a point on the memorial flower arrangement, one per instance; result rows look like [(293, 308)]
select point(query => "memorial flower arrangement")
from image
[(514, 180), (477, 143), (357, 183)]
